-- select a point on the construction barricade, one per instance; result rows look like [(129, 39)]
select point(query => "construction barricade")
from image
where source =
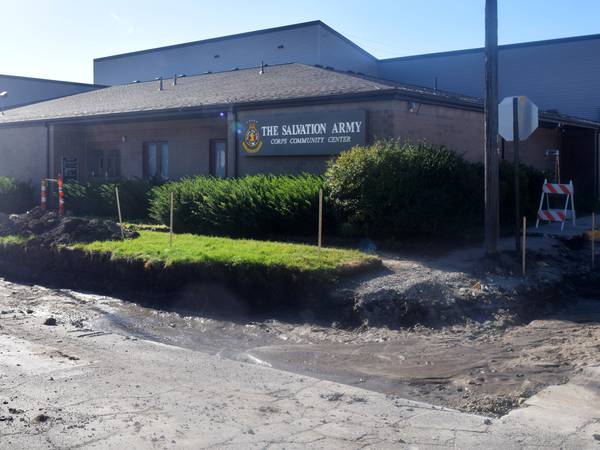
[(44, 194), (557, 215)]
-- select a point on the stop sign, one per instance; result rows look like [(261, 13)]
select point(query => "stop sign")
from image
[(528, 118)]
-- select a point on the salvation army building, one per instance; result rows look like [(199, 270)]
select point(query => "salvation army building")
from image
[(283, 118)]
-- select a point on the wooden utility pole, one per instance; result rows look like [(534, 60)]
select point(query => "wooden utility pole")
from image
[(491, 129)]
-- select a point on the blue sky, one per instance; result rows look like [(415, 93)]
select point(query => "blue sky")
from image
[(59, 38)]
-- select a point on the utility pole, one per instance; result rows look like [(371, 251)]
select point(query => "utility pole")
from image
[(517, 181), (491, 129)]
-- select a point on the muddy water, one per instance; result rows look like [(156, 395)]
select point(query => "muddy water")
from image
[(474, 367)]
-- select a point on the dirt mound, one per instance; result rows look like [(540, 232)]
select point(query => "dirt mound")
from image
[(50, 228)]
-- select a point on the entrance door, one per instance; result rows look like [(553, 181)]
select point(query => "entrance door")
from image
[(218, 158)]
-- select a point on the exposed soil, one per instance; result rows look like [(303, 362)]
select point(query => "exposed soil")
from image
[(486, 367), (473, 367), (451, 330), (49, 228)]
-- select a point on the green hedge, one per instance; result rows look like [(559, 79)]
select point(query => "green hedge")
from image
[(15, 196), (530, 190), (99, 199), (397, 190), (252, 206)]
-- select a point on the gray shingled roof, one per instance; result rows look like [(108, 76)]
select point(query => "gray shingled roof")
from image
[(281, 82)]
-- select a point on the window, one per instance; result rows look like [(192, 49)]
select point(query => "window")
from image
[(104, 164), (218, 158), (156, 160), (112, 160)]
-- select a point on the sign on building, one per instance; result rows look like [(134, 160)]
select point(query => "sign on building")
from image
[(70, 169), (302, 134)]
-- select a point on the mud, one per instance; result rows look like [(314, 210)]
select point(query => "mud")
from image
[(48, 228), (460, 334), (478, 367)]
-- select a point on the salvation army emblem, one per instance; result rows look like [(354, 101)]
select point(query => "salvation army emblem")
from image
[(252, 142)]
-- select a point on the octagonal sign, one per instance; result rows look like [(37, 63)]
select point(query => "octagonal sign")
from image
[(528, 118)]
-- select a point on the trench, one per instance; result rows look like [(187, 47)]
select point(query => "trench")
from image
[(475, 366)]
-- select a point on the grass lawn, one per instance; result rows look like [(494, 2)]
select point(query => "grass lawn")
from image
[(194, 249), (12, 240)]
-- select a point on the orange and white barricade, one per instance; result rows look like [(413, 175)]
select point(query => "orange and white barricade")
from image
[(43, 194), (557, 215), (61, 196), (45, 182)]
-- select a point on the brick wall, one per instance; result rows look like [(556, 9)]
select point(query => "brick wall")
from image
[(23, 153), (189, 141)]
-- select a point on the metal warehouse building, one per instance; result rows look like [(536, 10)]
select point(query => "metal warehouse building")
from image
[(283, 100), (22, 91)]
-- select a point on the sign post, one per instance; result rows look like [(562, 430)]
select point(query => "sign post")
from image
[(518, 117), (516, 170)]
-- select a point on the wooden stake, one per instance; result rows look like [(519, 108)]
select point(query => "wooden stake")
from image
[(119, 211), (320, 240), (171, 223), (524, 243), (593, 239)]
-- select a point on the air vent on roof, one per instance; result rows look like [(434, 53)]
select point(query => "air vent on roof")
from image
[(160, 83), (135, 81), (281, 46), (236, 68), (217, 56), (208, 71)]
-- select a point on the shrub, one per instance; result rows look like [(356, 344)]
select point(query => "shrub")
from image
[(253, 206), (397, 190), (99, 199), (530, 190), (15, 196)]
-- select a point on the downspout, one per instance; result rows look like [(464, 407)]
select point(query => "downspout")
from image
[(235, 147), (232, 150), (47, 150)]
